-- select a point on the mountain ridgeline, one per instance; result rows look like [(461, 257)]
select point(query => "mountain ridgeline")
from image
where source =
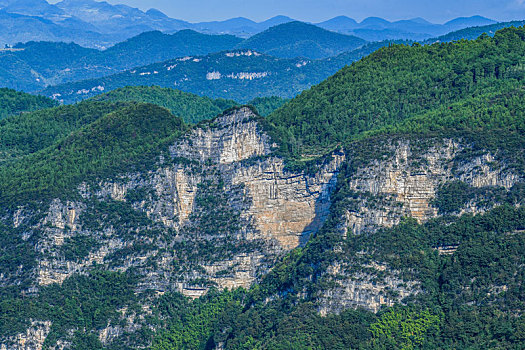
[(62, 68), (380, 209), (297, 39), (99, 24), (35, 65)]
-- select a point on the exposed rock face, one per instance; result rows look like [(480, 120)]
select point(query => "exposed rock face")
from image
[(407, 182), (32, 339), (228, 162), (364, 291), (219, 208), (403, 184)]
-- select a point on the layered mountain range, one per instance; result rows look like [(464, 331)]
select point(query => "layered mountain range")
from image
[(69, 72), (99, 24), (380, 209)]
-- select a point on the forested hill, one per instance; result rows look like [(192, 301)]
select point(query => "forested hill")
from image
[(471, 33), (13, 102), (403, 228), (191, 108), (239, 75), (395, 83), (35, 65), (298, 39)]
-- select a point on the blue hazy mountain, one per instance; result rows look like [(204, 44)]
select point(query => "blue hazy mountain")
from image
[(34, 65), (298, 39), (376, 29), (100, 24)]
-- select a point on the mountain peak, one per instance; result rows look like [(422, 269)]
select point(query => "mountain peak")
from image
[(471, 21), (374, 21)]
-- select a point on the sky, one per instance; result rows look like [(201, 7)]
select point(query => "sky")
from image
[(437, 11)]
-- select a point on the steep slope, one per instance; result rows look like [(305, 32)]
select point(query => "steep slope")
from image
[(298, 39), (395, 83), (210, 208), (406, 231)]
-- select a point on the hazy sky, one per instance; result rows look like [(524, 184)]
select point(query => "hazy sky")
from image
[(318, 10)]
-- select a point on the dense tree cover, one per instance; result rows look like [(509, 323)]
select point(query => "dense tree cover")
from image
[(393, 84), (121, 141), (284, 77), (498, 110), (474, 32), (54, 62), (266, 105), (31, 132), (473, 298), (86, 303), (13, 102), (191, 108), (298, 39)]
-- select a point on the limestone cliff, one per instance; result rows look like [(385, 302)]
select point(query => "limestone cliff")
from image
[(219, 209), (222, 171), (404, 182)]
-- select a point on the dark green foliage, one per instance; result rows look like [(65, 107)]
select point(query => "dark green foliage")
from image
[(394, 84), (83, 304), (30, 132), (17, 255), (298, 39), (212, 198), (266, 105), (453, 196), (13, 102), (78, 247), (126, 140), (190, 325), (469, 269), (191, 108)]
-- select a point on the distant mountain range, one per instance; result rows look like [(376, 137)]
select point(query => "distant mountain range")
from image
[(244, 69), (99, 24), (35, 65), (376, 29), (240, 75)]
